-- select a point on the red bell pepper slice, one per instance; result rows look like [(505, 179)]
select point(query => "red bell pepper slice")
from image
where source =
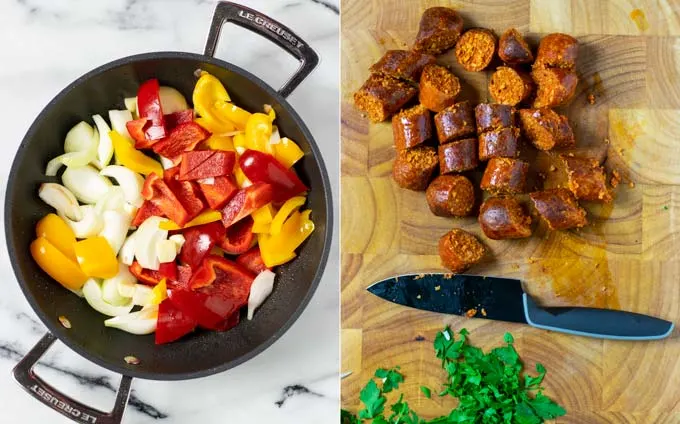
[(168, 270), (194, 166), (245, 202), (216, 269), (172, 323), (210, 310), (176, 118), (262, 167), (184, 274), (218, 194), (147, 210), (136, 129), (199, 241), (182, 138), (149, 106), (158, 192), (252, 261), (239, 237), (189, 195), (145, 276)]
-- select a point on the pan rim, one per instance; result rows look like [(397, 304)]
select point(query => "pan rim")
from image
[(59, 331)]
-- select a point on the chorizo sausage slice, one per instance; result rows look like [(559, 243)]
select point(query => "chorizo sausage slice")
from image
[(458, 156), (402, 64), (505, 175), (513, 49), (559, 209), (509, 86), (586, 179), (493, 116), (503, 143), (450, 195), (546, 129), (459, 250), (475, 49), (557, 50), (411, 127), (438, 88), (504, 218), (381, 96), (555, 86), (456, 121), (439, 30), (413, 168)]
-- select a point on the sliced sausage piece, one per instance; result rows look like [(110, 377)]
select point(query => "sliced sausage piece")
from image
[(439, 30), (554, 86), (494, 116), (402, 64), (438, 87), (546, 129), (513, 49), (501, 143), (413, 168), (586, 179), (559, 209), (450, 195), (504, 218), (459, 250), (509, 86), (475, 49), (458, 156), (557, 51), (505, 175), (454, 122), (411, 127), (381, 96)]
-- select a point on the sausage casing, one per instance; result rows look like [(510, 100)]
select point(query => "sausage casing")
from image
[(555, 86), (439, 30), (559, 209), (411, 127), (505, 175), (458, 156), (586, 179), (413, 168), (402, 64), (450, 195), (504, 218), (493, 116), (546, 129), (454, 122), (503, 143), (513, 49), (557, 50), (459, 250), (438, 88), (382, 96)]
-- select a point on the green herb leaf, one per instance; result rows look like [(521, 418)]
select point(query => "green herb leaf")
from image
[(426, 392), (347, 417), (372, 399)]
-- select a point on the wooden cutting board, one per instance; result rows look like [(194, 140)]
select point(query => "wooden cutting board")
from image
[(628, 258)]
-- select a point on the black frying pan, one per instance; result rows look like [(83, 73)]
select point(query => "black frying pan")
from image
[(203, 353)]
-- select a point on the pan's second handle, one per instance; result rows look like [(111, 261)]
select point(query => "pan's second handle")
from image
[(269, 28), (39, 389)]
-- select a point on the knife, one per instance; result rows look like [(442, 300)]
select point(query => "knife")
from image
[(503, 299)]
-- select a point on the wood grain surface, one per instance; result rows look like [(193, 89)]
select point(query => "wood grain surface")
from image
[(628, 258)]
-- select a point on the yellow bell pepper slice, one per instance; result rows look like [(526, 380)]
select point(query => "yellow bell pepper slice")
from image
[(96, 257), (131, 158), (159, 292), (241, 179), (207, 92), (58, 233), (262, 219), (219, 142), (240, 144), (205, 217), (291, 205), (288, 152), (57, 265), (279, 249), (232, 113), (258, 133), (215, 125)]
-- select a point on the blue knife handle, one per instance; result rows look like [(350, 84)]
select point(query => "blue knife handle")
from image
[(599, 323)]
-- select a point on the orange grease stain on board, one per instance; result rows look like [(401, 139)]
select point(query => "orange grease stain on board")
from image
[(638, 16)]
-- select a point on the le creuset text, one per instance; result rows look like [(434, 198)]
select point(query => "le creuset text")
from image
[(76, 413), (272, 27)]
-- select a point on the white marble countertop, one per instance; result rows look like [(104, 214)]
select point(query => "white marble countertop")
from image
[(46, 45)]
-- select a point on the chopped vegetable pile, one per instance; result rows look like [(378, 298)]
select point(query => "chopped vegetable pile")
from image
[(488, 386), (173, 218)]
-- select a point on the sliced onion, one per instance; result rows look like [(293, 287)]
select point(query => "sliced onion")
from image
[(143, 295), (166, 163), (111, 295), (130, 210), (259, 291), (116, 225), (93, 294), (146, 242), (105, 147), (166, 251), (61, 199), (89, 226), (125, 281), (179, 240), (207, 181), (130, 181), (80, 148), (114, 200), (275, 137), (127, 252), (119, 119), (131, 104), (79, 137), (172, 100), (86, 183), (139, 323)]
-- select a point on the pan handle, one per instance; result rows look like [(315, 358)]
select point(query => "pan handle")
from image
[(267, 27), (48, 395)]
